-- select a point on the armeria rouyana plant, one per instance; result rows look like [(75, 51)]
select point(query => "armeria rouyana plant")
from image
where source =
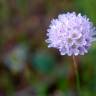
[(72, 34)]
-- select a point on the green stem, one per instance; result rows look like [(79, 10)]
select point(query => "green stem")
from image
[(77, 75)]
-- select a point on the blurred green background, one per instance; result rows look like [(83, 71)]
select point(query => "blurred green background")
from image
[(27, 66)]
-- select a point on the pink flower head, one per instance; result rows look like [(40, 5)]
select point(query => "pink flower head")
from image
[(71, 33)]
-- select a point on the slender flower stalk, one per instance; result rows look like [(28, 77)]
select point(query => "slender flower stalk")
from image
[(76, 74)]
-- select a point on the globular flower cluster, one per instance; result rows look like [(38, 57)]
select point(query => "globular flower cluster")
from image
[(71, 33)]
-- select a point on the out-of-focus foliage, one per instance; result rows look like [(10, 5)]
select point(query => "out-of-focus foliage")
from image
[(87, 7)]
